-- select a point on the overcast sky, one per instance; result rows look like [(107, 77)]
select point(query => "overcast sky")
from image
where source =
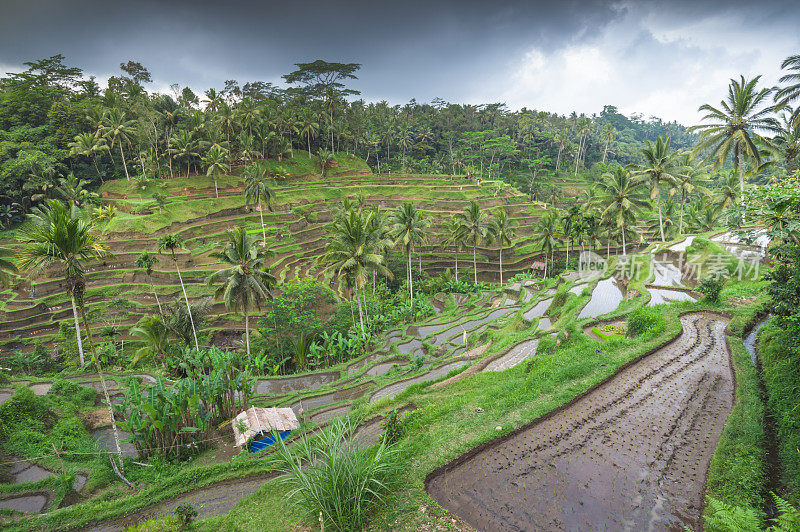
[(655, 58)]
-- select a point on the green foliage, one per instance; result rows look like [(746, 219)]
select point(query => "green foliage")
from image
[(168, 523), (645, 320), (81, 396), (724, 517), (392, 428), (337, 477), (24, 405), (37, 362), (711, 288), (186, 513)]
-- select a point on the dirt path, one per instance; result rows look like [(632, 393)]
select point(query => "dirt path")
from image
[(631, 455)]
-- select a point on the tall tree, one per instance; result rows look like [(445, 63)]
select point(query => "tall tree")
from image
[(257, 191), (693, 178), (117, 128), (172, 243), (733, 128), (660, 167), (623, 197), (503, 229), (355, 249), (57, 236), (454, 236), (246, 282), (477, 229), (546, 233), (408, 230), (216, 162), (790, 91)]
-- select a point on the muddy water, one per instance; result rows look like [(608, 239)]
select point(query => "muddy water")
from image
[(544, 323), (577, 289), (79, 482), (440, 338), (5, 395), (746, 253), (32, 503), (384, 367), (394, 389), (105, 440), (757, 238), (26, 471), (606, 297), (538, 309), (355, 367), (278, 385), (41, 388), (410, 346), (631, 455), (422, 331), (323, 416), (661, 296), (516, 355), (683, 245), (751, 340), (671, 270)]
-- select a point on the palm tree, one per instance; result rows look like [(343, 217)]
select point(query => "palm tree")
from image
[(355, 249), (728, 192), (668, 222), (326, 161), (7, 267), (216, 162), (152, 331), (257, 191), (607, 134), (733, 128), (703, 215), (116, 127), (476, 229), (503, 229), (246, 282), (408, 230), (623, 197), (787, 141), (146, 261), (454, 236), (546, 231), (694, 178), (309, 128), (660, 167), (569, 223), (182, 146), (74, 191), (58, 236), (791, 91), (88, 145), (171, 243)]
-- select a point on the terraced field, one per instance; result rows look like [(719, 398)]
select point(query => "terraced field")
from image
[(119, 294)]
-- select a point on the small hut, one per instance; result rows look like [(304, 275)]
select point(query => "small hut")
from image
[(256, 427)]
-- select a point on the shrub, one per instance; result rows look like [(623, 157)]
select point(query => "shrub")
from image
[(81, 396), (186, 513), (645, 320), (21, 406), (38, 362), (71, 435), (337, 477), (710, 288), (392, 428)]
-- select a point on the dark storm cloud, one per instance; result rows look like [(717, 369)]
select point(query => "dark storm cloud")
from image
[(459, 50)]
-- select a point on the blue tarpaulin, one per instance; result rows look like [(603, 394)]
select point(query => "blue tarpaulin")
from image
[(263, 443)]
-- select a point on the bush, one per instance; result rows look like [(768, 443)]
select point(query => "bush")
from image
[(81, 396), (337, 477), (38, 362), (710, 288), (645, 320), (186, 514), (23, 405), (392, 428)]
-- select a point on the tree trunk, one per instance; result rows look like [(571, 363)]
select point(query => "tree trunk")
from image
[(77, 329), (740, 156), (475, 263), (558, 159), (605, 151), (246, 331), (456, 264), (261, 214), (360, 313), (160, 311), (419, 256), (216, 190), (501, 263), (188, 308), (660, 219), (624, 248), (683, 200), (124, 164), (308, 137)]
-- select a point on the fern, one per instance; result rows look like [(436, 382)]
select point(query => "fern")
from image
[(723, 517)]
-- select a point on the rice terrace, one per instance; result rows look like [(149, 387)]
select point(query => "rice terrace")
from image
[(311, 301)]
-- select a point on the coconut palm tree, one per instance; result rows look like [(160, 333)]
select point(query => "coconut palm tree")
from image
[(155, 335), (216, 162), (787, 140), (454, 236), (146, 261), (791, 89), (733, 127), (88, 145), (257, 191), (607, 134), (171, 243), (569, 226), (327, 159), (703, 215), (74, 191), (246, 281), (182, 146), (116, 128), (7, 266), (355, 249), (408, 230), (694, 178), (728, 192), (477, 229), (623, 197), (503, 228), (546, 232), (57, 236), (660, 167)]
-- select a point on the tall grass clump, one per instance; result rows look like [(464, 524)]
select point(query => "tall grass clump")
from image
[(645, 320), (336, 476)]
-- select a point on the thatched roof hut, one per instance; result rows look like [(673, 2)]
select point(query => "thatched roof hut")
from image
[(259, 423)]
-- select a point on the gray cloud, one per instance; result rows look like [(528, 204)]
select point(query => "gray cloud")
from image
[(652, 57)]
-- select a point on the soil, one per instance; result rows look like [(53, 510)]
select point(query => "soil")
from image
[(631, 454)]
